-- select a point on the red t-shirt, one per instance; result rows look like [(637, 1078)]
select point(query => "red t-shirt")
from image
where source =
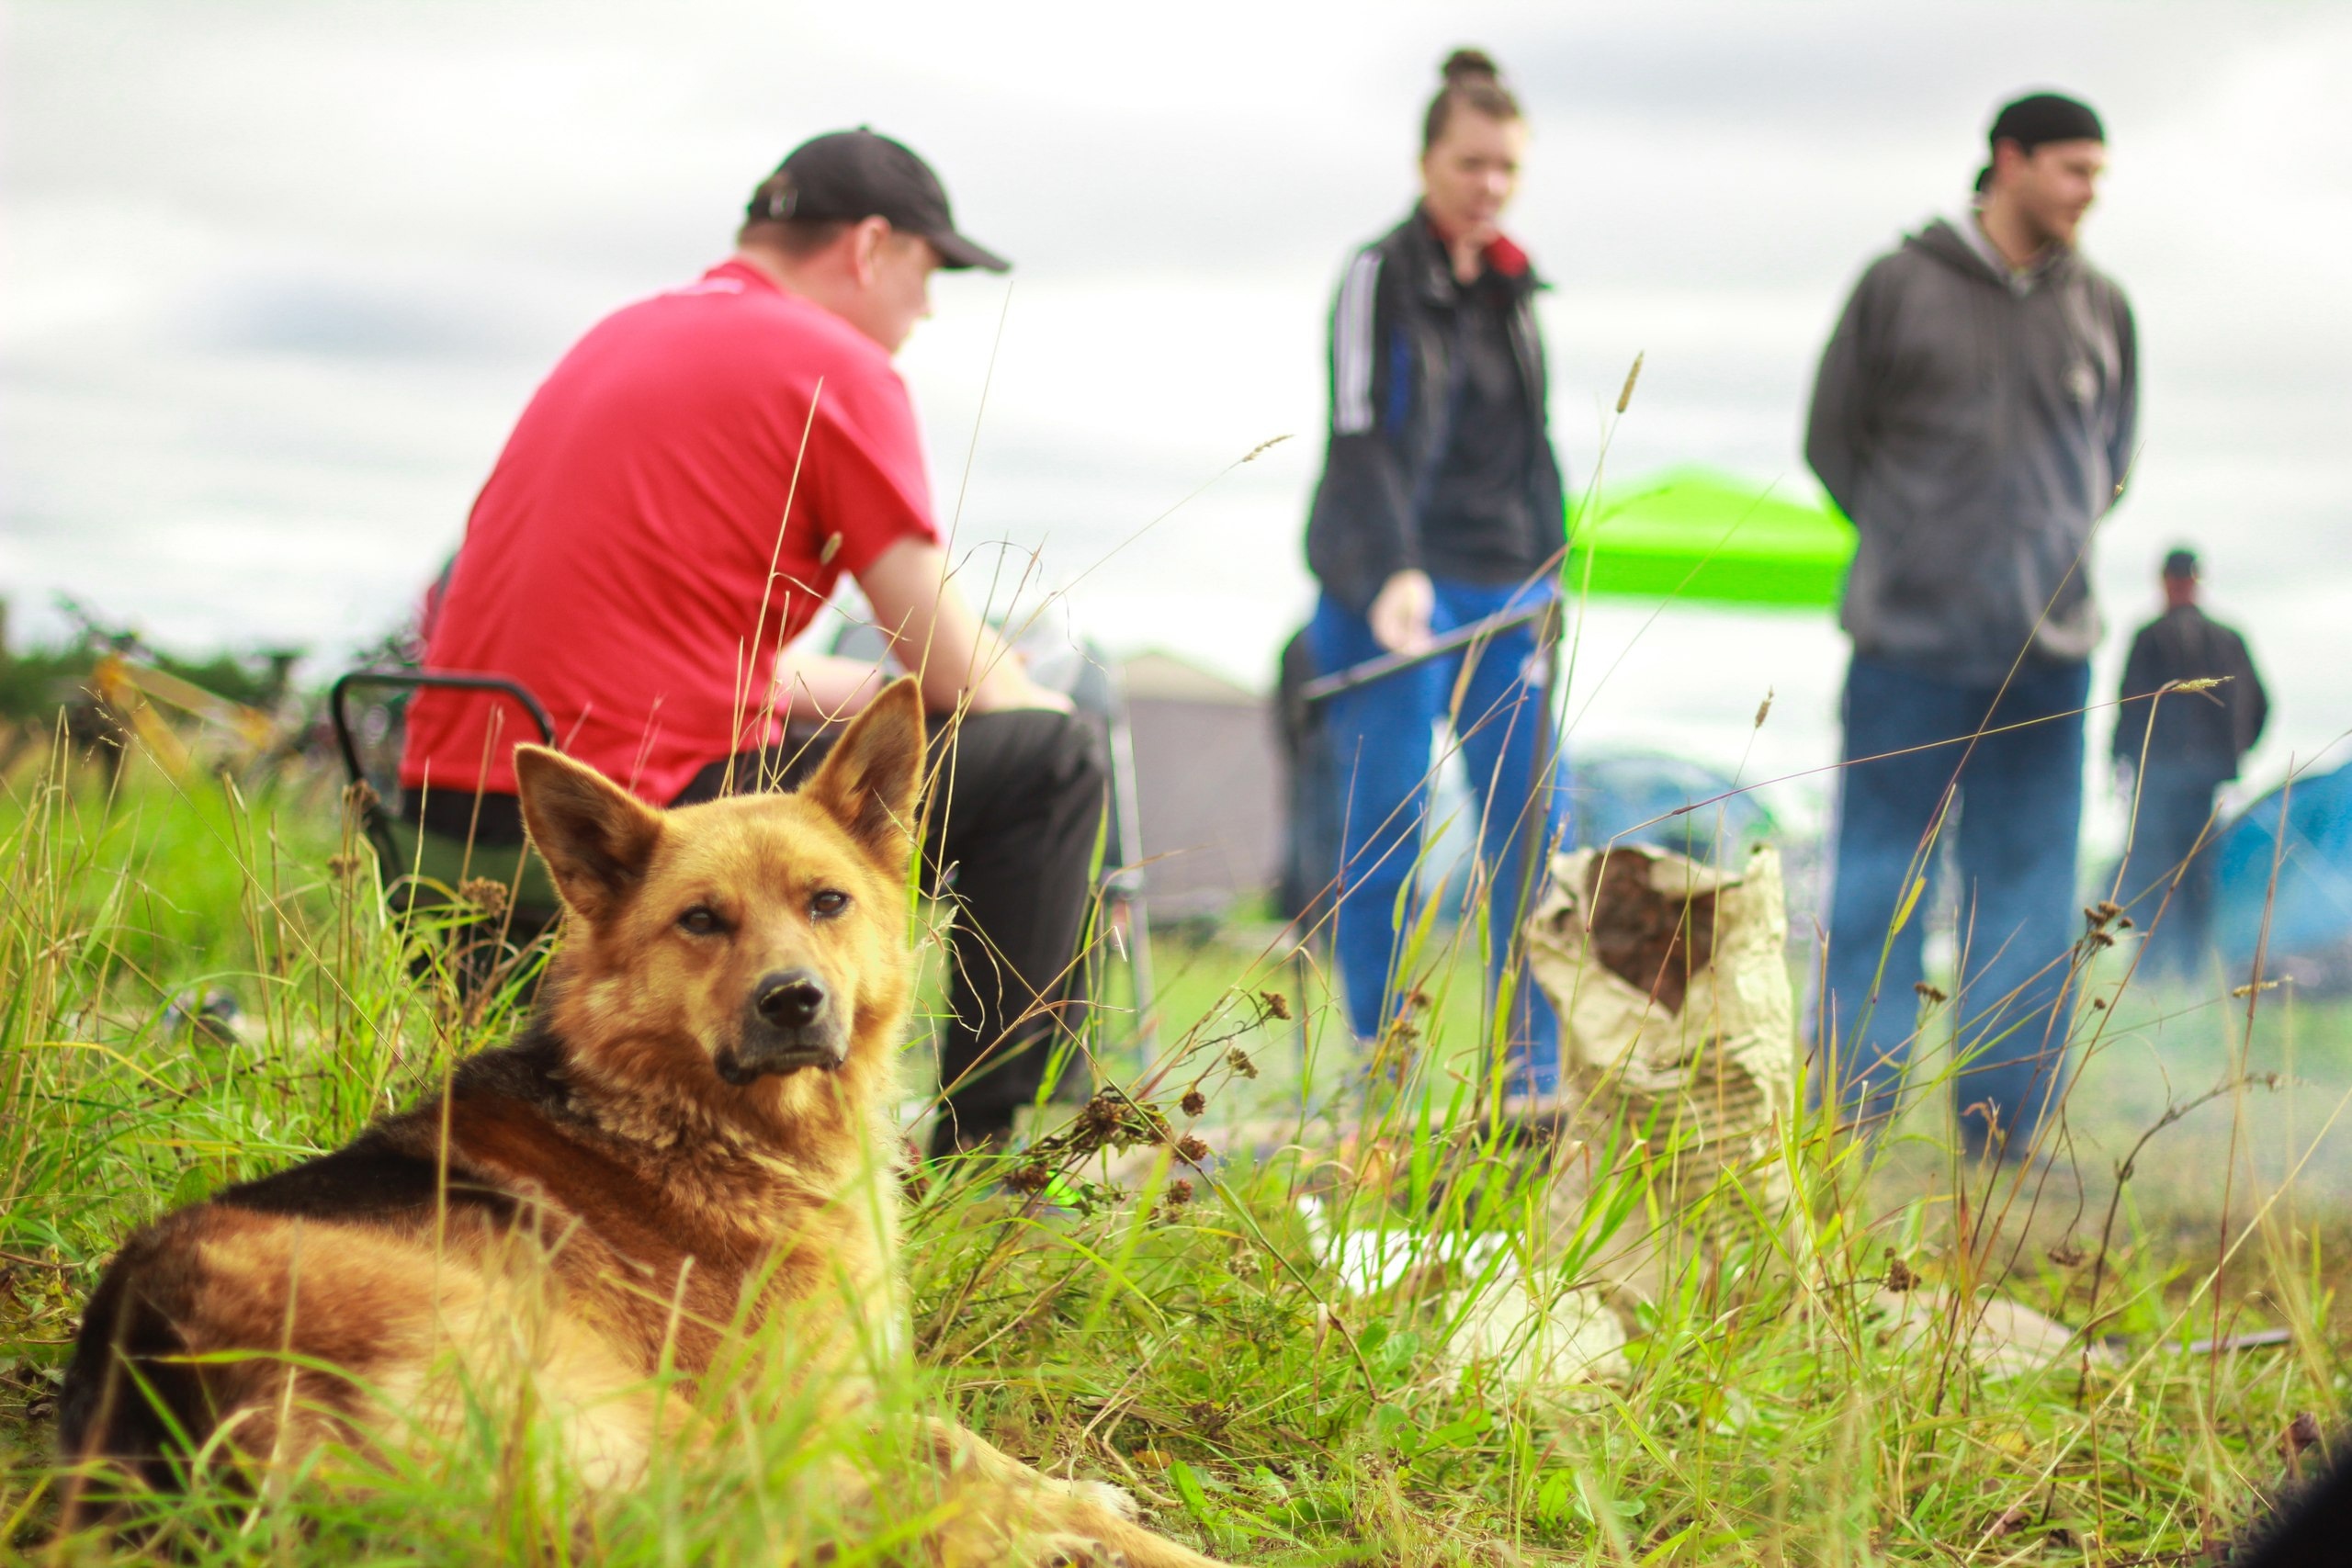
[(625, 562)]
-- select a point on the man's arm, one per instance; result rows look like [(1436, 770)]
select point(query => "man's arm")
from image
[(2255, 701), (2131, 713), (824, 686), (959, 660), (2124, 423), (1837, 427)]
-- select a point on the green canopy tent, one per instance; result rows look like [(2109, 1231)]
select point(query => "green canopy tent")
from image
[(1700, 536)]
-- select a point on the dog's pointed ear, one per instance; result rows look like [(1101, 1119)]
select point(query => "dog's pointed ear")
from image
[(596, 838), (870, 779)]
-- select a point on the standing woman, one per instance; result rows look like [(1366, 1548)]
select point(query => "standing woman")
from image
[(1440, 504)]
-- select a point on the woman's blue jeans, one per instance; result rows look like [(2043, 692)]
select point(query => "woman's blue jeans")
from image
[(1381, 748)]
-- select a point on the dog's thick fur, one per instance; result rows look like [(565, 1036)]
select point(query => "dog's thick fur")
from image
[(690, 1144)]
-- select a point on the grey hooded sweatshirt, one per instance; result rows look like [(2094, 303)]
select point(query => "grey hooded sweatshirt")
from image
[(1975, 426)]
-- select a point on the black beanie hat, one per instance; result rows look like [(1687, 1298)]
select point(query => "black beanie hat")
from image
[(2038, 118)]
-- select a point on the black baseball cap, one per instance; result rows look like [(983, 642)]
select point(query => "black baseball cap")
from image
[(2181, 563), (851, 175)]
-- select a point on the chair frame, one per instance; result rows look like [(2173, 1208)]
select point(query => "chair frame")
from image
[(374, 819)]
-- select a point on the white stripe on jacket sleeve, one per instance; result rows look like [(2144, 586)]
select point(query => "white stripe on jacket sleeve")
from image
[(1351, 347)]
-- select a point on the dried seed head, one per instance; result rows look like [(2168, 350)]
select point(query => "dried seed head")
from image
[(1239, 1060), (2067, 1253), (1030, 1177), (1193, 1102), (1263, 447), (1191, 1149), (486, 893), (1180, 1193), (1100, 1116), (1764, 709), (1110, 1121), (360, 797), (343, 868), (1900, 1276), (1932, 993), (1631, 376), (1275, 1005)]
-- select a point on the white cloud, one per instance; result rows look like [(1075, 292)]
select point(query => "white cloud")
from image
[(279, 275)]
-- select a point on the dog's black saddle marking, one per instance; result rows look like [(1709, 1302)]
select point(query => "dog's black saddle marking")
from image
[(372, 1176), (391, 1169)]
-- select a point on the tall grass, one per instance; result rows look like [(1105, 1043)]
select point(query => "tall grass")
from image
[(1242, 1280)]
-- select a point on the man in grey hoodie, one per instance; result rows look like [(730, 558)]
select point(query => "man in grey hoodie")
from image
[(1973, 416)]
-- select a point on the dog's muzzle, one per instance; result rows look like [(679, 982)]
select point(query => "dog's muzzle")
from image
[(792, 1021)]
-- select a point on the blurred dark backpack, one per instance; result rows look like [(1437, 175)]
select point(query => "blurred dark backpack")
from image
[(1310, 859)]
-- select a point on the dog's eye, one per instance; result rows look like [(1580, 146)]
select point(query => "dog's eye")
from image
[(700, 921), (828, 904)]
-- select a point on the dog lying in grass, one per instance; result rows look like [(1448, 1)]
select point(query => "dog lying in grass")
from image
[(689, 1151)]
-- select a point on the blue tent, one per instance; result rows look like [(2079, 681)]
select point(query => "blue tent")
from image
[(2310, 915), (1629, 796), (1633, 795)]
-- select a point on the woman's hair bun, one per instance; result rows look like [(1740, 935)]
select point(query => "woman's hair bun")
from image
[(1472, 82), (1469, 63)]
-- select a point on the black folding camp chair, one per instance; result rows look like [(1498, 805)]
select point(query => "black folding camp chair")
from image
[(425, 870)]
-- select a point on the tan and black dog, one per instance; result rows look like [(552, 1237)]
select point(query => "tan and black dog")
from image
[(691, 1141)]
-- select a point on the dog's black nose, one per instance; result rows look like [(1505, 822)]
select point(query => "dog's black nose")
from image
[(790, 999)]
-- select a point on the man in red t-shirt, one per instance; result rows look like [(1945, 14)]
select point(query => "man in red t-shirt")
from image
[(682, 494)]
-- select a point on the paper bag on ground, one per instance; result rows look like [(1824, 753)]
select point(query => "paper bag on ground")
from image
[(1678, 1020)]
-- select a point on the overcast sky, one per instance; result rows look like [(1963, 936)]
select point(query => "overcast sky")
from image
[(278, 275)]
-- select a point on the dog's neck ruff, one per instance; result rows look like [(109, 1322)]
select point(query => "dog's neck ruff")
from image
[(659, 1097)]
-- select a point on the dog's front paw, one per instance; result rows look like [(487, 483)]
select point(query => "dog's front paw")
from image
[(1078, 1552), (1114, 1500)]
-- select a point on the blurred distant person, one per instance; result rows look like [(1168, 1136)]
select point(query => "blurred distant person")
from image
[(682, 495), (1973, 416), (1440, 504), (2182, 747)]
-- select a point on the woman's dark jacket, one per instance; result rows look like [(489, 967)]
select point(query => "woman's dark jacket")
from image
[(1403, 347)]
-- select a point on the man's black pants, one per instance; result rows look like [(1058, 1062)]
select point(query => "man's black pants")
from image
[(1011, 825), (2170, 871)]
